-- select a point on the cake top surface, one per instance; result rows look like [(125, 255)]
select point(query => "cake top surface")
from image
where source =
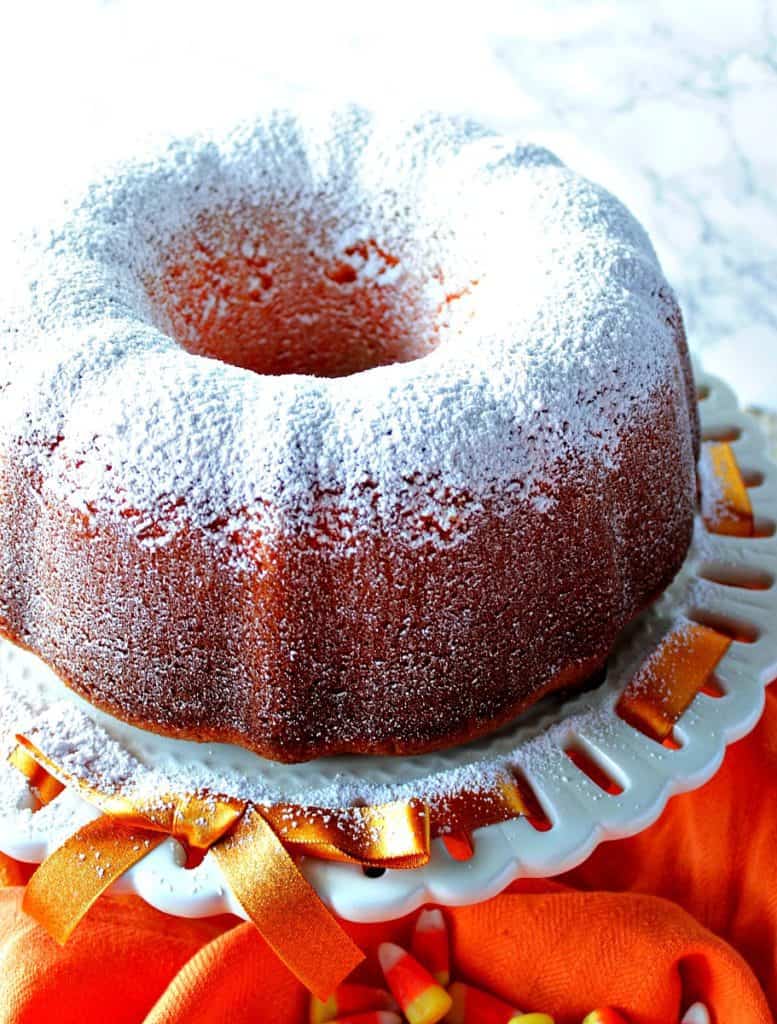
[(331, 317)]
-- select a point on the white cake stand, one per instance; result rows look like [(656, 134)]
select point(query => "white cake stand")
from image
[(716, 586)]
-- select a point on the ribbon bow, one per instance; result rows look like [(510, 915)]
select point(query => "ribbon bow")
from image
[(259, 868)]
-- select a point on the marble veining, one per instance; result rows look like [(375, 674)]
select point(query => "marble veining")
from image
[(671, 105)]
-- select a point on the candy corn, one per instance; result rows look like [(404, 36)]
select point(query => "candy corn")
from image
[(350, 998), (430, 945), (472, 1006), (696, 1014), (374, 1017), (421, 999), (605, 1016)]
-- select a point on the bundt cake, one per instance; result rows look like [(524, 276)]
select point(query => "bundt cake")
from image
[(339, 433)]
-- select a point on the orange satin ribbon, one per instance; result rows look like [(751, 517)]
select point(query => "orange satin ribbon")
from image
[(77, 873), (670, 677), (45, 785), (395, 835), (284, 907), (460, 812), (725, 505), (254, 858)]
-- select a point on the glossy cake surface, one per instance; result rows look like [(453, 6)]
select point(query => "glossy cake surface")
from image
[(339, 433)]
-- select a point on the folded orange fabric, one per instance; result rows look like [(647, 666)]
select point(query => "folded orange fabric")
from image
[(687, 910)]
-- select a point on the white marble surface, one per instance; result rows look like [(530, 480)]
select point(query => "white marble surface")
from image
[(672, 105)]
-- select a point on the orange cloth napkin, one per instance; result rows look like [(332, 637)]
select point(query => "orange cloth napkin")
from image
[(687, 910)]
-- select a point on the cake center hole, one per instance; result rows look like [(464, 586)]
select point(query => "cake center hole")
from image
[(276, 300)]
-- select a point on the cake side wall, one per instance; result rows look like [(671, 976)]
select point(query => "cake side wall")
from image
[(375, 646)]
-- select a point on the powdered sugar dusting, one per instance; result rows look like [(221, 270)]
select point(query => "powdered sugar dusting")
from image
[(560, 341)]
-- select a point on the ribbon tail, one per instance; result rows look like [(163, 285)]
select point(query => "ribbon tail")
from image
[(75, 875), (304, 934)]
